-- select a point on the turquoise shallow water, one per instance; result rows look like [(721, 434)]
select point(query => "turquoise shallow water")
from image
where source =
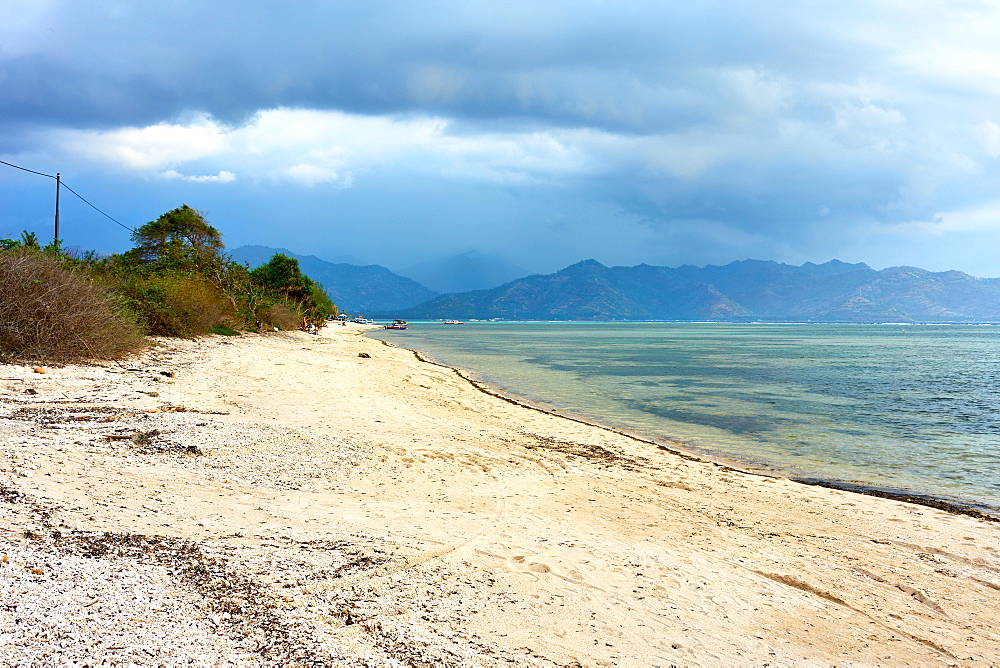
[(904, 408)]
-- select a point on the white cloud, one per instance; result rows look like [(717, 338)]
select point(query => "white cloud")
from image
[(977, 219), (154, 147), (313, 147), (312, 174), (954, 47), (987, 134), (752, 93), (222, 177), (867, 125)]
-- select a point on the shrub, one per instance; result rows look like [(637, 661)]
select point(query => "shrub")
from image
[(278, 315), (176, 304), (51, 313)]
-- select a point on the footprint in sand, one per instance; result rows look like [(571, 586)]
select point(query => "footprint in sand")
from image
[(533, 566)]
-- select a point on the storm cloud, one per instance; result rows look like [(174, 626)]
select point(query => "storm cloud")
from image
[(631, 132)]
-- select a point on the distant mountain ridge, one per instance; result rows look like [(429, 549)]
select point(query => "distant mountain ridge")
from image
[(358, 290), (740, 291)]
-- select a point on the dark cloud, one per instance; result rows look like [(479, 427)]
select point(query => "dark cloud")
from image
[(634, 66), (644, 130)]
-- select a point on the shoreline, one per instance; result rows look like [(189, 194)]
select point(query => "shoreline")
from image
[(286, 498), (955, 506)]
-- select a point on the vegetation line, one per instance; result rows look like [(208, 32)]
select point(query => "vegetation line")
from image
[(60, 307)]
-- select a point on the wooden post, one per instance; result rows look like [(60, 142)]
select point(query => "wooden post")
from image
[(55, 237)]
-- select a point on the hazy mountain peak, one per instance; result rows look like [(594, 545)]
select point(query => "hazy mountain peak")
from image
[(836, 266), (256, 255), (471, 270), (583, 264)]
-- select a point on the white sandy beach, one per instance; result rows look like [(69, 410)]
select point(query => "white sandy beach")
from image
[(271, 499)]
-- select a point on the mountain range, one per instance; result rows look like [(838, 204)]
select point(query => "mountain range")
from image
[(740, 291), (747, 290)]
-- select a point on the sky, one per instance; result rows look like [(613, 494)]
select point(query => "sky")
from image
[(541, 132)]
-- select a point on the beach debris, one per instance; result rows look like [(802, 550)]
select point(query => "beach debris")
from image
[(168, 374), (145, 438), (163, 409), (365, 355), (148, 441), (590, 451), (31, 390), (38, 369)]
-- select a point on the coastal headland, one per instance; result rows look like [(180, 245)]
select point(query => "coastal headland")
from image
[(331, 500)]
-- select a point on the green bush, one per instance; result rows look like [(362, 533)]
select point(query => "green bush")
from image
[(52, 313), (176, 304)]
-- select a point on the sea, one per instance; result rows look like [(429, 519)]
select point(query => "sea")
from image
[(908, 409)]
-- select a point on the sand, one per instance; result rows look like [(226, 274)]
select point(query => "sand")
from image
[(278, 498)]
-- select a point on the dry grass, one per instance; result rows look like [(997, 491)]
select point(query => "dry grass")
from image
[(280, 316), (181, 305), (194, 307), (50, 313)]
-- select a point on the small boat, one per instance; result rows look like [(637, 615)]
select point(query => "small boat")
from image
[(395, 325), (453, 322)]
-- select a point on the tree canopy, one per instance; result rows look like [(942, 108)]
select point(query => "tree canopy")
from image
[(283, 275), (177, 239)]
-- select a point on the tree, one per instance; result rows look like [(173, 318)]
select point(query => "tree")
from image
[(28, 240), (283, 276), (179, 239)]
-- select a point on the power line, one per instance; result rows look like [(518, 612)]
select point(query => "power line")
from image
[(95, 208), (25, 169), (63, 184)]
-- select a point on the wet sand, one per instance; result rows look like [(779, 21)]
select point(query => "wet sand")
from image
[(291, 500)]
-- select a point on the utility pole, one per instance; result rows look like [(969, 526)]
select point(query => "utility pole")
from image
[(55, 237)]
